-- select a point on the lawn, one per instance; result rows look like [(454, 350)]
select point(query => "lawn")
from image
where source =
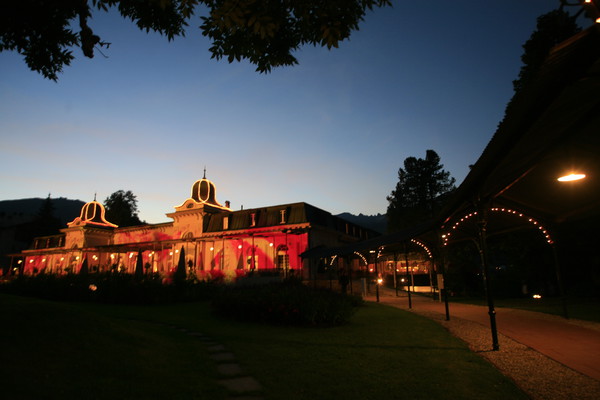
[(93, 351)]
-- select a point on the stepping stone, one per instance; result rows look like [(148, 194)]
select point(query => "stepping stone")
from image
[(222, 356), (241, 385), (229, 369), (215, 348)]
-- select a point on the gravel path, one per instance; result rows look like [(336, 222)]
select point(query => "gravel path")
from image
[(536, 374)]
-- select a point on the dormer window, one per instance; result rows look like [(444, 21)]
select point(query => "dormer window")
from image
[(282, 213), (226, 222)]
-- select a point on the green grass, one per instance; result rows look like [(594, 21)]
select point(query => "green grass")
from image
[(64, 351), (93, 351)]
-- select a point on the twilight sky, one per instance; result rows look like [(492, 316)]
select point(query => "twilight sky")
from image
[(331, 132)]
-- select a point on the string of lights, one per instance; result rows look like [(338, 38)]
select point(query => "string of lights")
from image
[(427, 250), (446, 237)]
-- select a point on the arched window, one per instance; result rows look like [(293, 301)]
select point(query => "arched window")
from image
[(283, 259)]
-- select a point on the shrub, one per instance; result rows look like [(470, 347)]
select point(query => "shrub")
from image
[(108, 288), (286, 303)]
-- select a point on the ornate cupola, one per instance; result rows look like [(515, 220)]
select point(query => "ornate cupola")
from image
[(204, 193), (189, 216), (89, 229), (92, 213)]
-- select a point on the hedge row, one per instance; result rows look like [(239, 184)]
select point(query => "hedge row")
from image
[(115, 288), (286, 303)]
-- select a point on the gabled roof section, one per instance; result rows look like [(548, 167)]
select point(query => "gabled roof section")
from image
[(283, 215)]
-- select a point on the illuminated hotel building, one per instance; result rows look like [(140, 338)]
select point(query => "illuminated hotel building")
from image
[(214, 238)]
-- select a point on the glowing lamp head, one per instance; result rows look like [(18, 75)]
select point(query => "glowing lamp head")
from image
[(571, 177)]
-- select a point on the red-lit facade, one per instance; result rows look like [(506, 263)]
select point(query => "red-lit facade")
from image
[(213, 236)]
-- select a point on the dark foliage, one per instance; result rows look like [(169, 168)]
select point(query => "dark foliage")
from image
[(107, 288), (551, 29), (46, 221), (264, 32), (285, 303), (422, 186), (180, 272), (121, 209)]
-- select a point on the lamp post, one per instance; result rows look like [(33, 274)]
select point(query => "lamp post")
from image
[(407, 275), (374, 253), (483, 253)]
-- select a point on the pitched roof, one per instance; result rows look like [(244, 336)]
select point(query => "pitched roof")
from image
[(283, 215)]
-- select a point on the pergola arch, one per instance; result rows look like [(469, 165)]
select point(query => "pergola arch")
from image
[(508, 214)]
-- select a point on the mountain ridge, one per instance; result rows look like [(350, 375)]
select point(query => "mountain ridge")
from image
[(378, 222), (21, 211)]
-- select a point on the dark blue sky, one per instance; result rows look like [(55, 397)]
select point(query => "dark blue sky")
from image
[(332, 131)]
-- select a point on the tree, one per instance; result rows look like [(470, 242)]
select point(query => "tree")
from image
[(265, 32), (121, 208), (46, 223), (139, 266), (422, 184), (551, 29), (180, 273)]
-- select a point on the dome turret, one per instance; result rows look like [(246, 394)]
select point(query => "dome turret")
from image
[(204, 191), (92, 213)]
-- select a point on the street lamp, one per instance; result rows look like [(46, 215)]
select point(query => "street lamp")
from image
[(571, 177)]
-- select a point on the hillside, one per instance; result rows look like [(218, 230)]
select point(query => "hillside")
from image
[(16, 212), (378, 222)]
